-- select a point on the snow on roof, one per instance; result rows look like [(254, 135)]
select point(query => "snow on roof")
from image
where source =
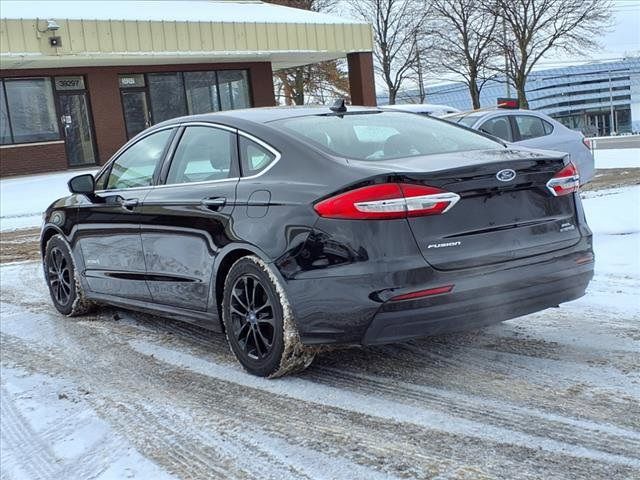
[(158, 10)]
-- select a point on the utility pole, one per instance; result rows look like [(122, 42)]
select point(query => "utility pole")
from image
[(419, 66), (612, 120), (506, 57)]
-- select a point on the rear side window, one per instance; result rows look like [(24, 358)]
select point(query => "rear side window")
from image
[(254, 157), (383, 135), (531, 127), (498, 127), (203, 154), (135, 167)]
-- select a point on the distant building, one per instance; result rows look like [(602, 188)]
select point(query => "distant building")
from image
[(77, 79), (580, 96)]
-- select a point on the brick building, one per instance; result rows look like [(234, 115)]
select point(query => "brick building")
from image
[(80, 78)]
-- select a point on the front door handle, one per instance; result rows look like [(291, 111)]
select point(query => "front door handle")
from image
[(129, 203), (215, 203)]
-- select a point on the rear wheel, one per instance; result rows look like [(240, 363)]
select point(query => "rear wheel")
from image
[(259, 323), (61, 277)]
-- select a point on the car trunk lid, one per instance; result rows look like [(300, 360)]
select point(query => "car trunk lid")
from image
[(495, 220)]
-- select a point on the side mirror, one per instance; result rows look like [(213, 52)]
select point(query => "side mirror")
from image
[(82, 184)]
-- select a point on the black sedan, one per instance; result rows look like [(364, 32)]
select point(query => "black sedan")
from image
[(294, 228)]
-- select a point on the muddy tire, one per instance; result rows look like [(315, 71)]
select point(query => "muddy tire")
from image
[(62, 278), (259, 322)]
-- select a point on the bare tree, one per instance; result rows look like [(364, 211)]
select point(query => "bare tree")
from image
[(399, 27), (464, 31), (535, 28), (317, 82)]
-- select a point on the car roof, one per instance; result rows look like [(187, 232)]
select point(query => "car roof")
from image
[(419, 107), (266, 114)]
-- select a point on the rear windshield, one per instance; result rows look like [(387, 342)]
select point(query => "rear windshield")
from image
[(384, 135)]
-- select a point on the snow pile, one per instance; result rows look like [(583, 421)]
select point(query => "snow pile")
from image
[(617, 158), (614, 217)]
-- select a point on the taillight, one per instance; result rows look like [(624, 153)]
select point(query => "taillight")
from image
[(387, 201), (564, 182), (587, 142)]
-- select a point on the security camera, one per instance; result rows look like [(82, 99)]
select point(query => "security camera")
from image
[(52, 25)]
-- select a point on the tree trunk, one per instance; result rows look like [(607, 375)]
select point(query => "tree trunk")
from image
[(299, 88), (520, 83), (392, 96), (474, 92)]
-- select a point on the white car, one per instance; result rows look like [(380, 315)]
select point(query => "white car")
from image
[(428, 109), (527, 128)]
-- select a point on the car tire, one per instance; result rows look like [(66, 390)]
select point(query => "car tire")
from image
[(259, 322), (62, 278)]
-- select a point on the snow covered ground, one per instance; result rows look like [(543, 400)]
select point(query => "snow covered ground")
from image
[(119, 395), (617, 158), (23, 199)]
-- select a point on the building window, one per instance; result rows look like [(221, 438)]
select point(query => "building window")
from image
[(5, 130), (180, 93), (202, 92), (234, 91), (166, 91), (28, 111)]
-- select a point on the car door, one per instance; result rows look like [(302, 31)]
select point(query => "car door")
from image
[(108, 230), (187, 219)]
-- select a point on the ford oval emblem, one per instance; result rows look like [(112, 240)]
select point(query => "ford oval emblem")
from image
[(506, 175)]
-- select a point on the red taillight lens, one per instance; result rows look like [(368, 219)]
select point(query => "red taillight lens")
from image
[(564, 182), (587, 142), (387, 201)]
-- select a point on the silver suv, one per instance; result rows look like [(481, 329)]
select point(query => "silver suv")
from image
[(535, 130)]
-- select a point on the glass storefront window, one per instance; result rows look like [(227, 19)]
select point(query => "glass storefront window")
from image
[(5, 130), (234, 89), (31, 110), (202, 92), (166, 92), (155, 97)]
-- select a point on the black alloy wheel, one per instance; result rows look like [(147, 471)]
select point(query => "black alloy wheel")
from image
[(59, 276), (60, 273), (252, 317)]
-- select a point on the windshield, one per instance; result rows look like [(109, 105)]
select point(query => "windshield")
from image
[(384, 135), (468, 120)]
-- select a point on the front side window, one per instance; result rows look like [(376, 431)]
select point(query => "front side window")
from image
[(498, 127), (31, 110), (255, 158), (203, 154), (531, 127), (135, 167), (384, 135)]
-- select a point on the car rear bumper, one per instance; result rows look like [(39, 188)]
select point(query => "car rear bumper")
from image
[(358, 309), (475, 307)]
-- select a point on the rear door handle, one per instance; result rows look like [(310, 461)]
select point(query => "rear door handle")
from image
[(129, 203), (215, 203)]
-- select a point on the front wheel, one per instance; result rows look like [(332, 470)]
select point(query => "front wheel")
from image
[(259, 322), (61, 277)]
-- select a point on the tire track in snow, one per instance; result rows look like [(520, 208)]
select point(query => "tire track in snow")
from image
[(376, 407), (601, 436)]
